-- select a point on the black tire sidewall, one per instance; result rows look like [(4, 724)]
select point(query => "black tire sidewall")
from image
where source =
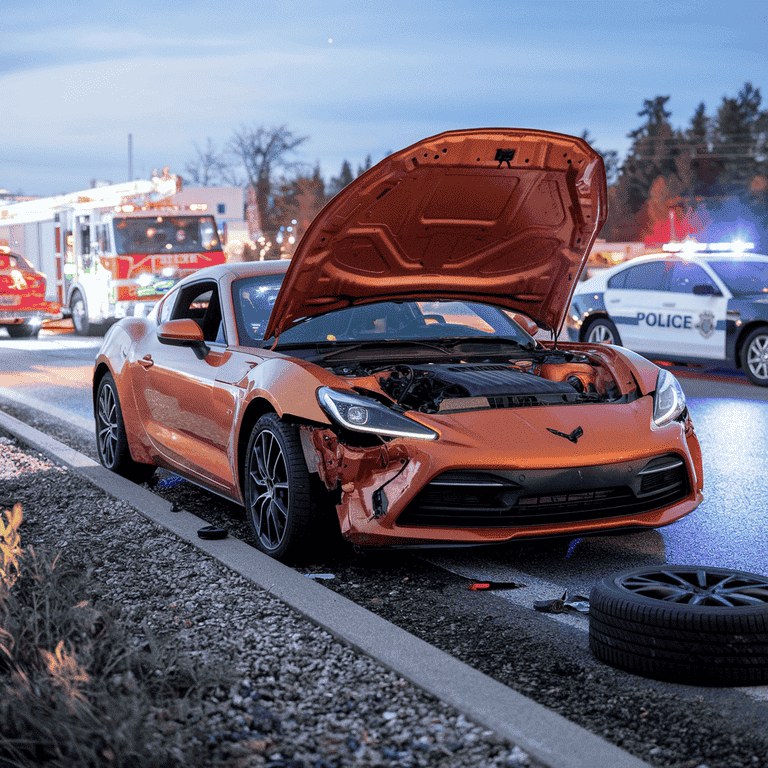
[(297, 534), (609, 324), (84, 328), (23, 331), (123, 464), (762, 331)]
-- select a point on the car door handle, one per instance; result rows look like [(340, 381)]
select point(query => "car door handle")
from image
[(668, 304), (614, 301), (146, 362)]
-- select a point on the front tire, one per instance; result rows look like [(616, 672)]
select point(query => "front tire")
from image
[(23, 331), (602, 331), (277, 489), (111, 439), (754, 357)]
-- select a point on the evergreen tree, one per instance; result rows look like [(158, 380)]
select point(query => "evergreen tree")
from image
[(339, 182), (739, 139)]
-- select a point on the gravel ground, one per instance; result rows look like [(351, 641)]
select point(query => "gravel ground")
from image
[(671, 726), (299, 698)]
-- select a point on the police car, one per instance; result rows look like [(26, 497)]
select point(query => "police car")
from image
[(701, 304)]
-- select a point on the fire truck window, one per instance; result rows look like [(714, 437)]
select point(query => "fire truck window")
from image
[(85, 238)]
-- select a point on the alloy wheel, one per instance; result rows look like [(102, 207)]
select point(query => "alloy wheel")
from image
[(270, 501), (757, 357), (699, 586), (600, 334), (107, 410)]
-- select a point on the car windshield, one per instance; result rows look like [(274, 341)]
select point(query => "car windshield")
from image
[(254, 298), (166, 234), (742, 277)]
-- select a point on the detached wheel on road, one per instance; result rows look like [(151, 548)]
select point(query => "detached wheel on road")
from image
[(689, 624), (111, 440), (602, 331), (277, 489), (23, 331), (754, 357)]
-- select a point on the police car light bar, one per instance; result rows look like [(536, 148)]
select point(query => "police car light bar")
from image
[(691, 246)]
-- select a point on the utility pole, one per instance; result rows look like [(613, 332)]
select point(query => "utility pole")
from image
[(130, 157)]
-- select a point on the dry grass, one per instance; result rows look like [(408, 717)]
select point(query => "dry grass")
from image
[(75, 688)]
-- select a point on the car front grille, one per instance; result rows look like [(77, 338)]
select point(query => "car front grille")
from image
[(464, 499)]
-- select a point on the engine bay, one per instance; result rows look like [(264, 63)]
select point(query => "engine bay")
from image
[(540, 377)]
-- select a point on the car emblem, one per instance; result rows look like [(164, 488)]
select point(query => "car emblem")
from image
[(573, 437), (706, 325)]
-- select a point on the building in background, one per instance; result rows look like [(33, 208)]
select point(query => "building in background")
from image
[(225, 204)]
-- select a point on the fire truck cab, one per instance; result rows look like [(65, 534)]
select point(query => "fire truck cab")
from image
[(111, 252)]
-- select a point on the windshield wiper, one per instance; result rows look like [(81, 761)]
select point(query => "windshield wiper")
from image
[(489, 340)]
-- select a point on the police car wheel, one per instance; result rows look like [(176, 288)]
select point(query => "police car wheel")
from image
[(602, 331), (754, 357)]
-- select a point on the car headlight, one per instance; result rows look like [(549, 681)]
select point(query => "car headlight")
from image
[(363, 414), (668, 400)]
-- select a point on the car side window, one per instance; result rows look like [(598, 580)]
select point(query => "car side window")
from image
[(166, 308), (646, 277), (686, 275), (200, 302)]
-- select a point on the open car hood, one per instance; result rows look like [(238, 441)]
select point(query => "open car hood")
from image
[(500, 215)]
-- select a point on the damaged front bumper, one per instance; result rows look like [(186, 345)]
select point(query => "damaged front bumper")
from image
[(514, 485)]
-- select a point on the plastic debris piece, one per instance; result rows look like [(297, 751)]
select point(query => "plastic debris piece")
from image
[(579, 603), (319, 575), (169, 482), (494, 585), (550, 606), (212, 532), (559, 605)]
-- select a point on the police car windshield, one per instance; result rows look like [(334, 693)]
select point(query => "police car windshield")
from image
[(742, 277)]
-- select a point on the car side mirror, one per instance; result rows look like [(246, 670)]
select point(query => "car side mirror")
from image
[(183, 333), (705, 290)]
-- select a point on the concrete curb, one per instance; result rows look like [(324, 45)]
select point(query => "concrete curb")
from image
[(544, 734)]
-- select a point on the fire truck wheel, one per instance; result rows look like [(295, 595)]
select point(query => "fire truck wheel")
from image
[(79, 310), (23, 331)]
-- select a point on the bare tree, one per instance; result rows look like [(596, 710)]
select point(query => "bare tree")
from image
[(261, 152), (209, 167)]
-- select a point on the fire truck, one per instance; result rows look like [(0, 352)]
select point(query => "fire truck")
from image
[(112, 251)]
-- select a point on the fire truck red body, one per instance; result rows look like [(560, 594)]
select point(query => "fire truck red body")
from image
[(111, 252)]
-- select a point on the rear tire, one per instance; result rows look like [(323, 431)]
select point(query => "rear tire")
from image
[(602, 331), (111, 438), (23, 331), (754, 357)]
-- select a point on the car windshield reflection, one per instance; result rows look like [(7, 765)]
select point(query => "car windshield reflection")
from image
[(254, 299)]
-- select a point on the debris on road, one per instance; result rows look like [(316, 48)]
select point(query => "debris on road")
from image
[(485, 585), (578, 603)]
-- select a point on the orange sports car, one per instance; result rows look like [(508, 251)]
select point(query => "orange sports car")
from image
[(386, 381)]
